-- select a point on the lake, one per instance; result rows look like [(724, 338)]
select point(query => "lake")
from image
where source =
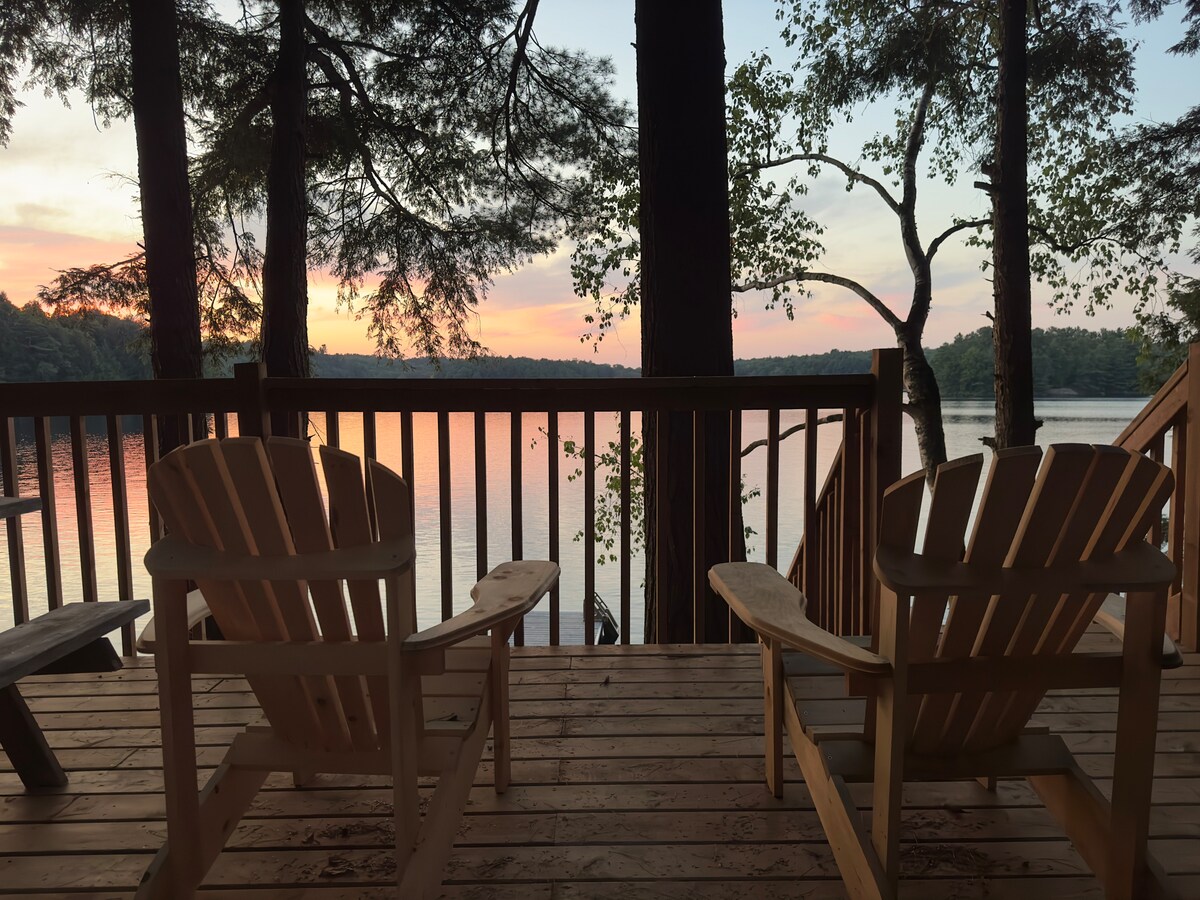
[(1066, 420)]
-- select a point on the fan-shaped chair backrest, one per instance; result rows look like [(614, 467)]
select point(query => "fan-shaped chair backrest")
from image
[(243, 497), (1084, 503)]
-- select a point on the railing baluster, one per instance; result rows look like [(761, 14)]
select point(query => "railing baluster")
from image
[(736, 533), (44, 451), (481, 504), (220, 425), (120, 509), (370, 451), (552, 453), (812, 535), (589, 526), (517, 511), (661, 426), (851, 520), (1156, 451), (1179, 450), (407, 460), (333, 431), (444, 495), (370, 439), (83, 507), (624, 438), (772, 535), (150, 456), (699, 569), (16, 539)]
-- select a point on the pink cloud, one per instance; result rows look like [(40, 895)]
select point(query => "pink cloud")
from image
[(30, 257)]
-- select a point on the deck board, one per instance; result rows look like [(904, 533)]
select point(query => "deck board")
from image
[(637, 773)]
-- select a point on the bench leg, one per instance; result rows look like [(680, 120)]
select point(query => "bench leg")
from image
[(97, 656), (25, 744)]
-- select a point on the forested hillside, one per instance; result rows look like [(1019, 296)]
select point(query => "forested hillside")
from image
[(89, 346), (1067, 362), (82, 346)]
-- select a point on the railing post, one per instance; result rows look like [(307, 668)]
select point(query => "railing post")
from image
[(252, 414), (1189, 626), (882, 464)]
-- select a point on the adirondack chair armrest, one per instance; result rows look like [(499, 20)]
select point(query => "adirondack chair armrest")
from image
[(1139, 567), (174, 558), (507, 592), (773, 607)]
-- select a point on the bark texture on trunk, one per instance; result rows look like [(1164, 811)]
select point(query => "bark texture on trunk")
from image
[(685, 314), (924, 403), (285, 263), (166, 200), (1012, 327)]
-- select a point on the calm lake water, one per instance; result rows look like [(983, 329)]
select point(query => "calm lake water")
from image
[(1083, 421)]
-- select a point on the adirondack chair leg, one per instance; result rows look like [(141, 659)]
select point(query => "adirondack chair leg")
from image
[(498, 681), (1082, 811), (176, 874), (405, 736), (223, 802), (424, 869), (862, 873), (773, 700), (1137, 719), (891, 722), (988, 782)]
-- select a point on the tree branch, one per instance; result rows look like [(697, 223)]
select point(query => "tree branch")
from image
[(828, 278), (952, 230), (787, 433), (850, 172)]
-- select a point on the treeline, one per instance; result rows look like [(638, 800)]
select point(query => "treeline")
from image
[(90, 346), (357, 365), (80, 346), (1067, 362)]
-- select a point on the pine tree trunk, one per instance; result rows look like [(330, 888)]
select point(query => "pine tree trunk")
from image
[(1012, 327), (285, 264), (686, 321), (175, 348)]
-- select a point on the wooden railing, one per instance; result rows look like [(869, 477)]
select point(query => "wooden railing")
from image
[(832, 564), (1173, 411), (327, 408)]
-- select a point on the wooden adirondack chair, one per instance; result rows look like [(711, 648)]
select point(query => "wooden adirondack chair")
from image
[(359, 691), (968, 643)]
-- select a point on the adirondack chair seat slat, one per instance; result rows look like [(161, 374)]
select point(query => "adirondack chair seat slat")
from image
[(971, 631), (346, 680)]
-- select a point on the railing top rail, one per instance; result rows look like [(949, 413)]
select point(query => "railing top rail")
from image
[(226, 395), (1159, 414), (570, 395), (101, 398)]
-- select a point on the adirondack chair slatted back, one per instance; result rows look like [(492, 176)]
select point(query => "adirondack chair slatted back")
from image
[(1085, 503), (239, 496)]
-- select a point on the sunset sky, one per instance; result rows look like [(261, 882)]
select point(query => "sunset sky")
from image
[(70, 200)]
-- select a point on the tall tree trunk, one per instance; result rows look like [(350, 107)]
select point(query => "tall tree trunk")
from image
[(166, 200), (285, 264), (1012, 328), (685, 302), (924, 404)]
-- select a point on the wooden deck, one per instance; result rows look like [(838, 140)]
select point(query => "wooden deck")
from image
[(637, 773)]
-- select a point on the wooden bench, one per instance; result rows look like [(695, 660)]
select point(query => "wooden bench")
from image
[(68, 639)]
